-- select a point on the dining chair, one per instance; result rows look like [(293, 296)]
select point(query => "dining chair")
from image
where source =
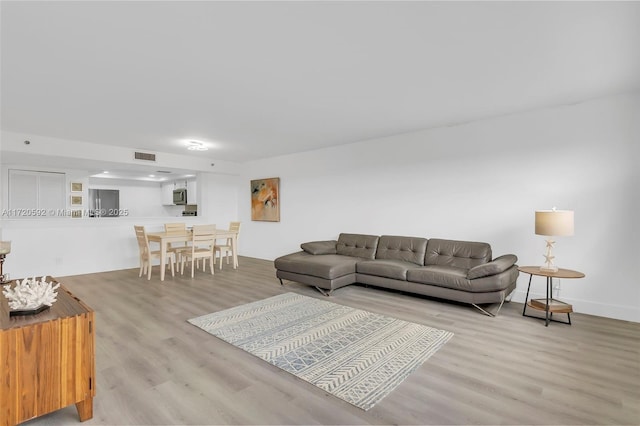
[(175, 228), (226, 249), (202, 244), (146, 255)]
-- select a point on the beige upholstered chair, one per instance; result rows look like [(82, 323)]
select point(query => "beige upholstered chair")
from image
[(202, 243), (146, 255), (178, 228), (226, 249)]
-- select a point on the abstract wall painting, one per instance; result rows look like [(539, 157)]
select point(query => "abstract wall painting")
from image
[(265, 200)]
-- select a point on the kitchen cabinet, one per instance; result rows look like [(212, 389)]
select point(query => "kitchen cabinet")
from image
[(167, 193), (192, 186)]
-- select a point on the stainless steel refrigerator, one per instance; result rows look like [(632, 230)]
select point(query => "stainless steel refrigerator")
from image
[(104, 202)]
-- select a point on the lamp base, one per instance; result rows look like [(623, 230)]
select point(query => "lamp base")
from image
[(548, 256)]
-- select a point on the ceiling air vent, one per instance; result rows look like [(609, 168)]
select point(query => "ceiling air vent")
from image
[(144, 156)]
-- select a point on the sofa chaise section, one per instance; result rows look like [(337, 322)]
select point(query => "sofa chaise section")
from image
[(327, 265)]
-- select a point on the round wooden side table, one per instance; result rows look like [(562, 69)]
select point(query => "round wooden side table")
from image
[(548, 304)]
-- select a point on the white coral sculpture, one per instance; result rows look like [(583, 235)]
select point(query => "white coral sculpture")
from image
[(31, 293)]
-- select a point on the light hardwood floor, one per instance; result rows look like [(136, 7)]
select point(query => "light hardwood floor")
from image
[(154, 368)]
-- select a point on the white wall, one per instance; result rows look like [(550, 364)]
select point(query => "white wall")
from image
[(218, 198), (479, 181)]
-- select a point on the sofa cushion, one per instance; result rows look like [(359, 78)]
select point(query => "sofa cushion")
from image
[(320, 247), (328, 266), (458, 254), (388, 268), (440, 275), (497, 265), (407, 249), (357, 245)]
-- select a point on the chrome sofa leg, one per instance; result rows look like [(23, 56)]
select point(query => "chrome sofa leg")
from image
[(489, 313), (324, 293)]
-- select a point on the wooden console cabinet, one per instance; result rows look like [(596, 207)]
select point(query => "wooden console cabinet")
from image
[(47, 361)]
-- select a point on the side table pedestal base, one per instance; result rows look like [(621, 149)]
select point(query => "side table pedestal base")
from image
[(548, 305)]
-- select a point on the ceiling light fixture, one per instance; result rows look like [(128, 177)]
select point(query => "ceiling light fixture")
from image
[(196, 146)]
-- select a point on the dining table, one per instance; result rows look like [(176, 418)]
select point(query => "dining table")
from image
[(166, 238)]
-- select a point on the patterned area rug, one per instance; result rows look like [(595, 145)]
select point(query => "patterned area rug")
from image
[(355, 355)]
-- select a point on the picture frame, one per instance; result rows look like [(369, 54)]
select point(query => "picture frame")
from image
[(76, 200), (76, 186), (76, 213), (265, 200)]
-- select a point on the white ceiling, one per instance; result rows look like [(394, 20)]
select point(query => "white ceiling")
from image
[(260, 79)]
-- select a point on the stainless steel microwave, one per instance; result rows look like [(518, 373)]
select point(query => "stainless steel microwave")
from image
[(180, 196)]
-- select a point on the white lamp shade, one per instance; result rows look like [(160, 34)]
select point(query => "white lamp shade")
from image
[(557, 223)]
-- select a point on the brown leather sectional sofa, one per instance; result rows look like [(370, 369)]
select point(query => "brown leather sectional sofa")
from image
[(462, 271)]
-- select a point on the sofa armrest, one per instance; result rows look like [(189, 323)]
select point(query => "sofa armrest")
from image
[(320, 247), (496, 266)]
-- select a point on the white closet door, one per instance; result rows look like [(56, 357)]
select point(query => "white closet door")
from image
[(23, 190), (36, 190), (51, 191)]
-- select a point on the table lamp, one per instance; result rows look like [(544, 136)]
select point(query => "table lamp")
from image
[(5, 249), (553, 223)]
